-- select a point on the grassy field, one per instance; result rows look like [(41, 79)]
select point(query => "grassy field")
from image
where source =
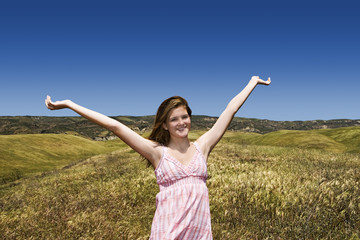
[(23, 155), (286, 191)]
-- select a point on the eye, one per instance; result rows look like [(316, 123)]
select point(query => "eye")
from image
[(185, 116)]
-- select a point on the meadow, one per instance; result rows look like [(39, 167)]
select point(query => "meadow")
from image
[(26, 154), (280, 185)]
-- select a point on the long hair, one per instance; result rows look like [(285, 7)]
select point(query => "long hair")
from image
[(159, 134)]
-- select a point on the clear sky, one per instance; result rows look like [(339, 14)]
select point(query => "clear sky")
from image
[(123, 58)]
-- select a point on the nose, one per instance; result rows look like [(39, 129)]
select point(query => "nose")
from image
[(181, 122)]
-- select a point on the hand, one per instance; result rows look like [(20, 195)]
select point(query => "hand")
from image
[(56, 105), (257, 80)]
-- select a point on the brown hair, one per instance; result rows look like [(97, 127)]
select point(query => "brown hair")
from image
[(159, 134)]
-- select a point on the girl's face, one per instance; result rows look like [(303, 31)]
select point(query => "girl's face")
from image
[(178, 123)]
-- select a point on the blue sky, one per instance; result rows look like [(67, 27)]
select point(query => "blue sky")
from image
[(123, 58)]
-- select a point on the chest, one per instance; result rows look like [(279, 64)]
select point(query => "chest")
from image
[(171, 169), (184, 158)]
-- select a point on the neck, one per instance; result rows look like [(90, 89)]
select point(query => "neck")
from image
[(180, 145)]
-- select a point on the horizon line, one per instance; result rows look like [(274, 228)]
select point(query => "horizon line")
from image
[(333, 119)]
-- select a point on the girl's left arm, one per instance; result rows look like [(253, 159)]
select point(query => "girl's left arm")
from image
[(208, 140)]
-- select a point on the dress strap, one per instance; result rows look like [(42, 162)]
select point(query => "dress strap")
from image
[(164, 150), (197, 146), (199, 150)]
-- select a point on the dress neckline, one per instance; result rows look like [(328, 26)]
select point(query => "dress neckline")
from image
[(178, 161)]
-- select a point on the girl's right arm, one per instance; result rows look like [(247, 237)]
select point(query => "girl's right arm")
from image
[(147, 148)]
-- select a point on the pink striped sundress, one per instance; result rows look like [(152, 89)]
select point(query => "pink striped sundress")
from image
[(182, 205)]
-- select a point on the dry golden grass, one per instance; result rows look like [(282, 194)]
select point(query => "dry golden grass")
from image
[(256, 192), (282, 193)]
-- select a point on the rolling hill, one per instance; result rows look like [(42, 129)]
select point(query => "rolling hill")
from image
[(335, 140), (24, 154), (21, 155)]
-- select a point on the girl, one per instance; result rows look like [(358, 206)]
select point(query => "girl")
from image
[(182, 205)]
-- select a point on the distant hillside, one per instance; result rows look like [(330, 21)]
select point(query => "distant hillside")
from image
[(21, 155), (338, 140), (81, 126)]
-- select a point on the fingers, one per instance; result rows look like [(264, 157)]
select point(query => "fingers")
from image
[(267, 82), (258, 80), (48, 103)]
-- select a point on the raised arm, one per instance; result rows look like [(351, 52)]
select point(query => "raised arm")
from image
[(208, 140), (145, 147)]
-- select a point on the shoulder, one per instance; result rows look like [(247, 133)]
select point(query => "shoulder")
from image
[(201, 146), (157, 153)]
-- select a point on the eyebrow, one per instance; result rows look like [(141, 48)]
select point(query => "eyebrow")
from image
[(184, 115)]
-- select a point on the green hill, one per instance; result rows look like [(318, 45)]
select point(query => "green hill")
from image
[(336, 140), (301, 139), (32, 153), (21, 155), (349, 137)]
